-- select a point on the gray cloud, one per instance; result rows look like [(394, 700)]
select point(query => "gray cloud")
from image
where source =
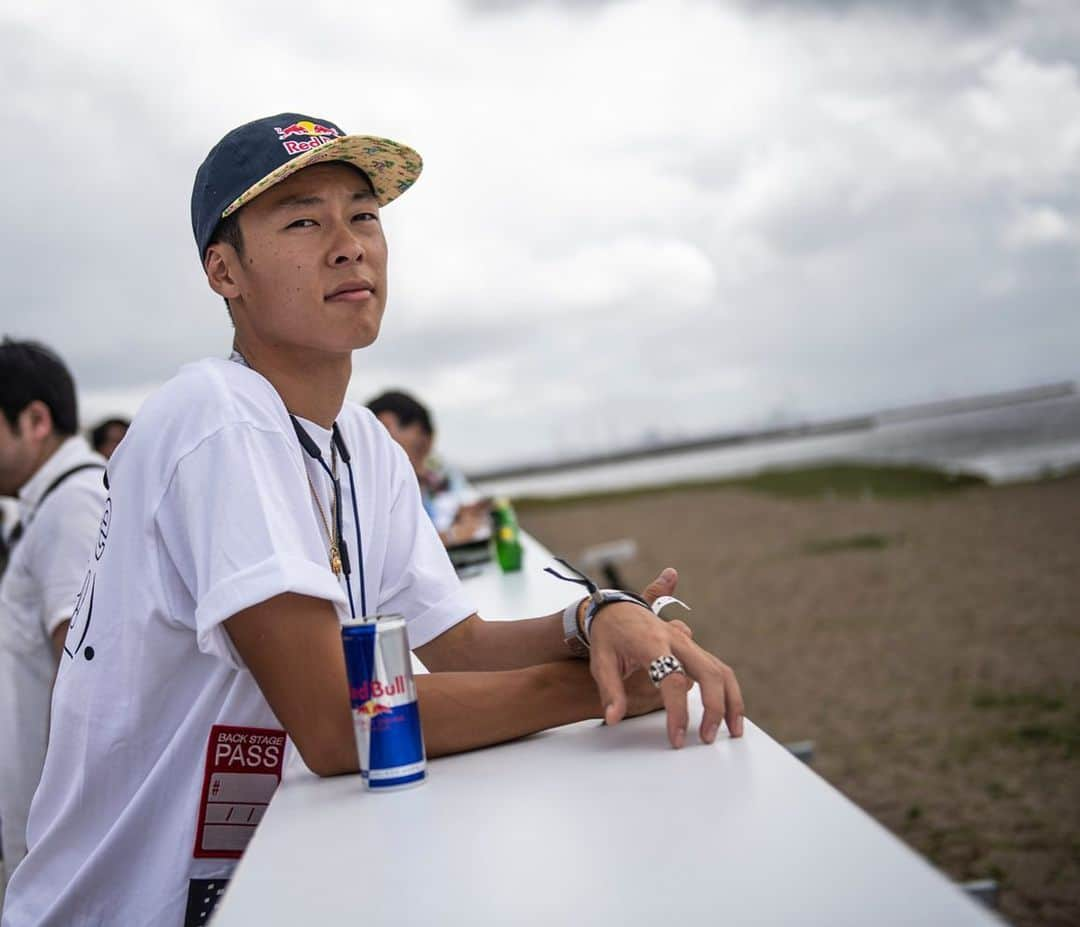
[(674, 225), (981, 13), (513, 6)]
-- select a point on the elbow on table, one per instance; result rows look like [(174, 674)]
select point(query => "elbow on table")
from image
[(327, 753), (325, 765)]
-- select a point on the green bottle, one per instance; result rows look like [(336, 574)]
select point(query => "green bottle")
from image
[(507, 535)]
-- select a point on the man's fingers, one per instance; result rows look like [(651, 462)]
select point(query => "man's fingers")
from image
[(673, 691), (604, 666), (718, 684), (734, 715), (681, 626), (664, 584)]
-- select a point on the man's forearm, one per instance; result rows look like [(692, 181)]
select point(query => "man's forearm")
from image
[(475, 644), (463, 711), (292, 646), (59, 636)]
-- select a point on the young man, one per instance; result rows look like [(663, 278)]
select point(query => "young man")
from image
[(107, 434), (441, 488), (58, 481), (409, 423), (251, 508)]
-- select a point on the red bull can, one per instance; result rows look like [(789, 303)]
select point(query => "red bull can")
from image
[(386, 716)]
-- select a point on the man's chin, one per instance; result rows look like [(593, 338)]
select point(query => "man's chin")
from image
[(366, 339)]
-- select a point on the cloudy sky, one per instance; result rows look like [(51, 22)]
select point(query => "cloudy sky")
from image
[(643, 218)]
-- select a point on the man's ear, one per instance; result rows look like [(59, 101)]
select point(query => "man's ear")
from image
[(36, 421), (220, 266)]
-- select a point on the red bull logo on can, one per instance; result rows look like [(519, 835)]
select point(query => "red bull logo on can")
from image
[(371, 708), (313, 134), (368, 691)]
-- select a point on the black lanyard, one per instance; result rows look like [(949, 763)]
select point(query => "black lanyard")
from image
[(315, 453)]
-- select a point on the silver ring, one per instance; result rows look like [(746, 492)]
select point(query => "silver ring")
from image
[(662, 667)]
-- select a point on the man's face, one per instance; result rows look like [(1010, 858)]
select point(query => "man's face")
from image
[(414, 440), (313, 271), (114, 434), (18, 456)]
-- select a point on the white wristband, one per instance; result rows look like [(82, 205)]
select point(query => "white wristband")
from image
[(578, 644)]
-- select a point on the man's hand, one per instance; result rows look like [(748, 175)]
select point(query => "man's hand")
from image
[(468, 523), (626, 638), (642, 697)]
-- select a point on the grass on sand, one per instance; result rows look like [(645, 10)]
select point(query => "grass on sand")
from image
[(839, 480)]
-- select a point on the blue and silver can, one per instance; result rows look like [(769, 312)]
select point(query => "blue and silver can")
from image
[(386, 716)]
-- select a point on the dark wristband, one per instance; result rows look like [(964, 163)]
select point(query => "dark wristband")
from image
[(604, 597)]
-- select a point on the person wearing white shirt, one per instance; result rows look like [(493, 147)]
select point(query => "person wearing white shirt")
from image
[(251, 508), (460, 516), (58, 482)]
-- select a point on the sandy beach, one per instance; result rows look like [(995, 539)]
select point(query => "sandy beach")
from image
[(928, 646)]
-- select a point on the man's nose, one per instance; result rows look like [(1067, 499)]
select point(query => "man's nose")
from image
[(348, 247)]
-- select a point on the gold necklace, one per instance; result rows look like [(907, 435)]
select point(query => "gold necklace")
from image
[(331, 536)]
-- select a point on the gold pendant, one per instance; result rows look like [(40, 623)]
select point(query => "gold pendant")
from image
[(335, 561)]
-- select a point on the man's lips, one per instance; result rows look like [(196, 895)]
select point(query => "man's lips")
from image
[(353, 292)]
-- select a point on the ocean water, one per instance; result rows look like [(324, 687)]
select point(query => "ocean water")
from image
[(1012, 443)]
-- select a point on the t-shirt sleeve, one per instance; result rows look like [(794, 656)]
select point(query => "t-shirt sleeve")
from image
[(237, 523), (419, 581), (67, 527)]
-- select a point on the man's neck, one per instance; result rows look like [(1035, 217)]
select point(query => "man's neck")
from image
[(50, 446), (310, 385), (45, 453)]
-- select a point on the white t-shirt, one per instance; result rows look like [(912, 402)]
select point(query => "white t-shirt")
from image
[(155, 719), (37, 594)]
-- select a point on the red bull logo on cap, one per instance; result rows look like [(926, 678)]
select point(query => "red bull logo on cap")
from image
[(314, 133)]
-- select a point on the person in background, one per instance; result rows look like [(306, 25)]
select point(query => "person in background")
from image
[(443, 489), (107, 434), (58, 481), (409, 423)]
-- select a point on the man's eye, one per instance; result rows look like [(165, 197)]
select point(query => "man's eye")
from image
[(301, 224), (365, 217)]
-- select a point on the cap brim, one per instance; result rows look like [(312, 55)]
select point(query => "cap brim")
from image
[(391, 167)]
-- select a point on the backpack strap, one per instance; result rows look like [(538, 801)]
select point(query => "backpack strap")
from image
[(17, 531), (63, 476)]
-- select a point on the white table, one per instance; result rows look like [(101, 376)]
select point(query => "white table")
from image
[(528, 593), (585, 825)]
